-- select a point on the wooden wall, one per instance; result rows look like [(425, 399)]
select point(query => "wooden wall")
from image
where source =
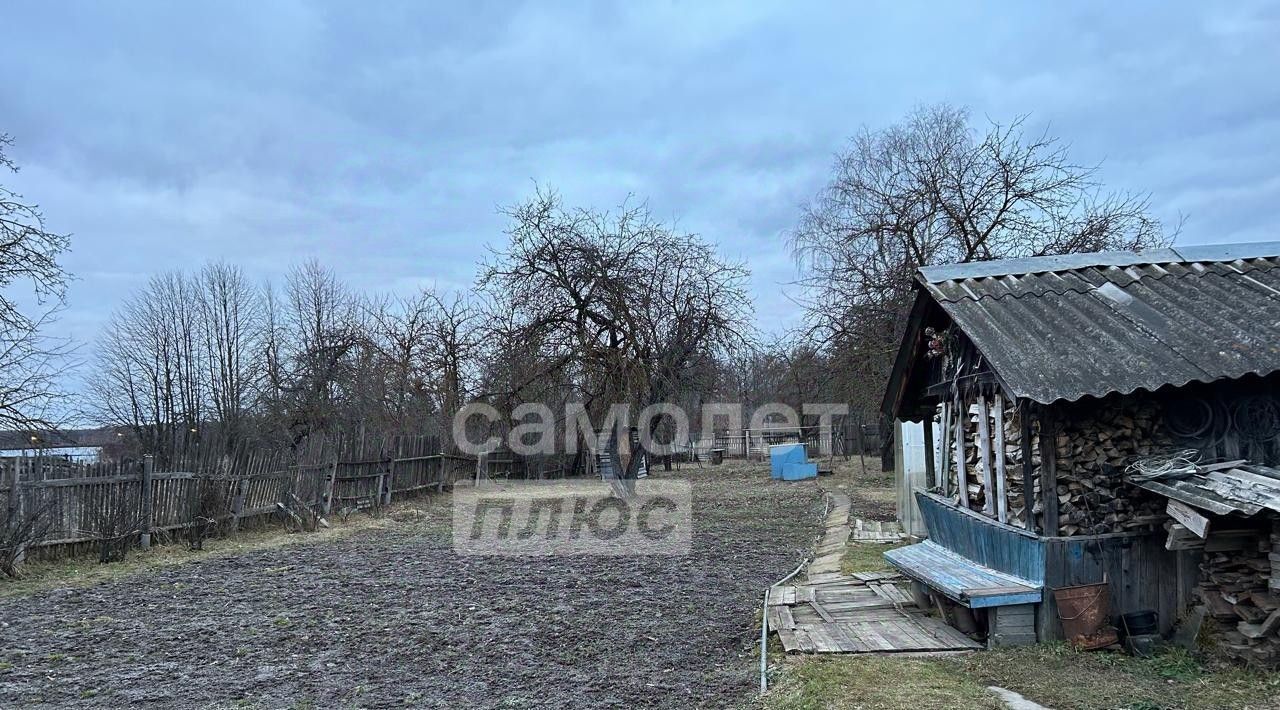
[(1139, 572)]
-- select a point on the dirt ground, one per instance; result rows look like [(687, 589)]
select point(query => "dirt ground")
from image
[(394, 617)]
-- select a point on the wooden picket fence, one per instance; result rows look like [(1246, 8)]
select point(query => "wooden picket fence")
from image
[(86, 508)]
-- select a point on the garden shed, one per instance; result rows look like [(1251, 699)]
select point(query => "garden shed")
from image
[(1105, 418)]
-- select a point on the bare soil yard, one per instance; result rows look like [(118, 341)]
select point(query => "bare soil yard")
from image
[(392, 616)]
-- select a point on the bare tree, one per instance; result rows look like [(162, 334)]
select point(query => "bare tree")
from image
[(627, 306), (933, 190), (31, 363), (150, 373), (453, 345), (399, 329), (312, 344), (231, 314)]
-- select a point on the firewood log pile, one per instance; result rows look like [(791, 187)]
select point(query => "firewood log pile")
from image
[(1241, 592), (1092, 454), (1013, 465)]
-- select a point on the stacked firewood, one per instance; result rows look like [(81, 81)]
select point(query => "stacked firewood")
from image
[(1017, 502), (1092, 454), (1242, 594), (974, 472)]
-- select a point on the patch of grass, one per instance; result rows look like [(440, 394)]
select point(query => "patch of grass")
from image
[(1061, 677), (865, 557), (1050, 674), (814, 682)]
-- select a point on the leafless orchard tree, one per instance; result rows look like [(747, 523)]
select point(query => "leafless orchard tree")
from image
[(427, 345), (31, 362), (313, 344), (936, 189), (150, 373), (232, 315), (627, 306)]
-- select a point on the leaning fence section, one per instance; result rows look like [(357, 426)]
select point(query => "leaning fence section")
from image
[(97, 502)]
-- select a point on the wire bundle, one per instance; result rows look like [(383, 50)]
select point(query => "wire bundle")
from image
[(1178, 464)]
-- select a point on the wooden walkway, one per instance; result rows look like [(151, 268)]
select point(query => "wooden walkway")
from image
[(831, 612)]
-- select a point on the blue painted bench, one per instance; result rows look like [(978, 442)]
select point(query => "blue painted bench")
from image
[(962, 580), (977, 563)]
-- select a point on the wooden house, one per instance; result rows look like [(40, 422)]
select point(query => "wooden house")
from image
[(1062, 387)]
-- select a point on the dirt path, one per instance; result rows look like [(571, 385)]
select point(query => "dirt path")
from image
[(397, 619)]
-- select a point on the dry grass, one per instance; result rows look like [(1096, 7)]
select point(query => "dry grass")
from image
[(865, 557), (1050, 674)]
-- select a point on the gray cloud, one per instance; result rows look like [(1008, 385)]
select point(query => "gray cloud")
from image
[(382, 137)]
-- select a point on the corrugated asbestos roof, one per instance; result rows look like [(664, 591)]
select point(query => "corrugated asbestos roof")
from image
[(1247, 489), (1062, 328)]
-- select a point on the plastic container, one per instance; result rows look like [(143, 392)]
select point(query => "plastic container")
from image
[(1140, 623), (782, 454), (799, 471)]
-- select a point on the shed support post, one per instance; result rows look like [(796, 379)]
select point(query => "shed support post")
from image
[(1049, 472), (984, 457), (930, 473), (1028, 467), (1002, 498), (962, 477)]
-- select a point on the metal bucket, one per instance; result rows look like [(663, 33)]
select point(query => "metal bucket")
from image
[(1084, 610)]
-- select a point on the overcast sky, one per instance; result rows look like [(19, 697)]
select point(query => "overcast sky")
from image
[(382, 137)]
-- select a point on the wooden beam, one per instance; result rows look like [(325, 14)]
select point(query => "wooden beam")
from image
[(945, 473), (962, 473), (1049, 471), (1189, 517), (930, 473), (1002, 500), (984, 457), (1028, 467)]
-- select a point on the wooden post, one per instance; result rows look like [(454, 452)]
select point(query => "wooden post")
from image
[(237, 503), (17, 508), (148, 514), (984, 458), (388, 482), (331, 481), (945, 472), (930, 471), (1049, 472), (1002, 499), (962, 473), (1028, 467)]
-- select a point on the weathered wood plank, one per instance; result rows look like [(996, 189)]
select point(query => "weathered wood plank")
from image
[(1002, 499), (984, 457)]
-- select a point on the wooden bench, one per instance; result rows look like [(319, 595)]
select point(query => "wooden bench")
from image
[(1009, 601)]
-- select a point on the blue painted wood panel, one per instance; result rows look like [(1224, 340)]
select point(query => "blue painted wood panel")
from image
[(988, 542)]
